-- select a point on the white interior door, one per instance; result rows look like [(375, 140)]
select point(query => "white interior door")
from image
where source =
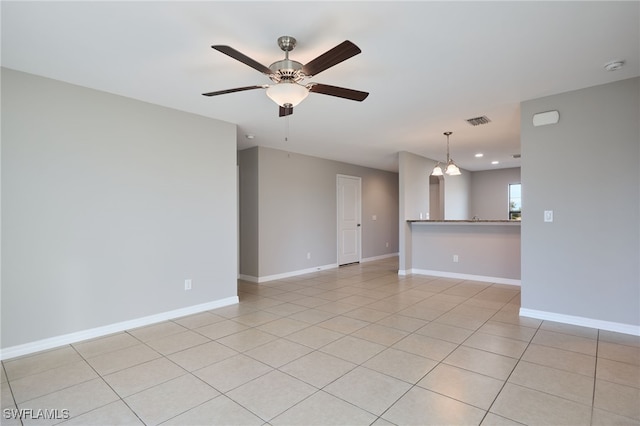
[(349, 229)]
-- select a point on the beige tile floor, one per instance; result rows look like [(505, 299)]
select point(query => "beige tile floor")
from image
[(357, 345)]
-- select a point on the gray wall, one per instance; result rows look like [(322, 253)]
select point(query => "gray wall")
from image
[(586, 169), (490, 192), (436, 197), (457, 191), (483, 250), (296, 204), (414, 198), (413, 182), (108, 205), (248, 232), (414, 170)]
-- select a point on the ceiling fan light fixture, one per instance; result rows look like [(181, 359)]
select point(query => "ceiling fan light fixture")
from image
[(287, 94), (287, 75)]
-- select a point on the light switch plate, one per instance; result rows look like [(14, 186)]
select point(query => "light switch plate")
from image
[(548, 215)]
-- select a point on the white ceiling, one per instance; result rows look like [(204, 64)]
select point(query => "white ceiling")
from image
[(428, 66)]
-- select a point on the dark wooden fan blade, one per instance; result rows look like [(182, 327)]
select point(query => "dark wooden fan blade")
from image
[(340, 92), (284, 111), (341, 52), (238, 89), (230, 51)]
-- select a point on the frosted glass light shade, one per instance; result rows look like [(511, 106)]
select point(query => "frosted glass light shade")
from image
[(452, 169), (285, 93), (437, 170)]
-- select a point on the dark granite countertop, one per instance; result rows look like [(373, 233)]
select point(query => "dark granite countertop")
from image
[(466, 222)]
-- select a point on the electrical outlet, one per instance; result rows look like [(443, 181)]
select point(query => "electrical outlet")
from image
[(387, 245), (548, 215), (187, 285), (308, 255), (455, 258)]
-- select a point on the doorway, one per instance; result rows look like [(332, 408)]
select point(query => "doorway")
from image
[(349, 220), (436, 198)]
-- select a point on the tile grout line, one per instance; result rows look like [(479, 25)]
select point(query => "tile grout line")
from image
[(317, 390), (13, 398), (509, 376), (441, 362), (329, 283), (361, 364), (109, 386), (595, 378), (186, 372)]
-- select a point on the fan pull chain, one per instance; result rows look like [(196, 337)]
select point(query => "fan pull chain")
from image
[(286, 131)]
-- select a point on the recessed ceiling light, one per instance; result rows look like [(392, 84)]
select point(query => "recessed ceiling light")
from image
[(479, 155), (613, 65), (495, 162)]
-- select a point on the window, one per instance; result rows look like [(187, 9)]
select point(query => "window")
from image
[(515, 201)]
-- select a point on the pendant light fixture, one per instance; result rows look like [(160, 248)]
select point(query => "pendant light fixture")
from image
[(451, 168)]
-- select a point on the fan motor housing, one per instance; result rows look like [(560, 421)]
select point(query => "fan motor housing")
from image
[(286, 69)]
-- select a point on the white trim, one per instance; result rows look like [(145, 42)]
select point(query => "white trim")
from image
[(249, 278), (444, 274), (404, 272), (374, 258), (78, 336), (274, 277), (582, 321)]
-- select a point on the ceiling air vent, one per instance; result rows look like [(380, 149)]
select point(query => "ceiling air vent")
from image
[(476, 121)]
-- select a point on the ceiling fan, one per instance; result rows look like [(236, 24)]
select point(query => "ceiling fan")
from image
[(288, 75)]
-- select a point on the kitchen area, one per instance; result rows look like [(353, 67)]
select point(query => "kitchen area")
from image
[(465, 226)]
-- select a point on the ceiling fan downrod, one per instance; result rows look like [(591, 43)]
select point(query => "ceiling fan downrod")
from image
[(286, 69)]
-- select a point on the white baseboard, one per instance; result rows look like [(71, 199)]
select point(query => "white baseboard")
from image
[(445, 274), (404, 272), (274, 277), (66, 339), (266, 278), (249, 278), (374, 258), (581, 321)]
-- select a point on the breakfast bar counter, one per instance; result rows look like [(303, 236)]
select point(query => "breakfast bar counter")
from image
[(464, 222), (481, 250)]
